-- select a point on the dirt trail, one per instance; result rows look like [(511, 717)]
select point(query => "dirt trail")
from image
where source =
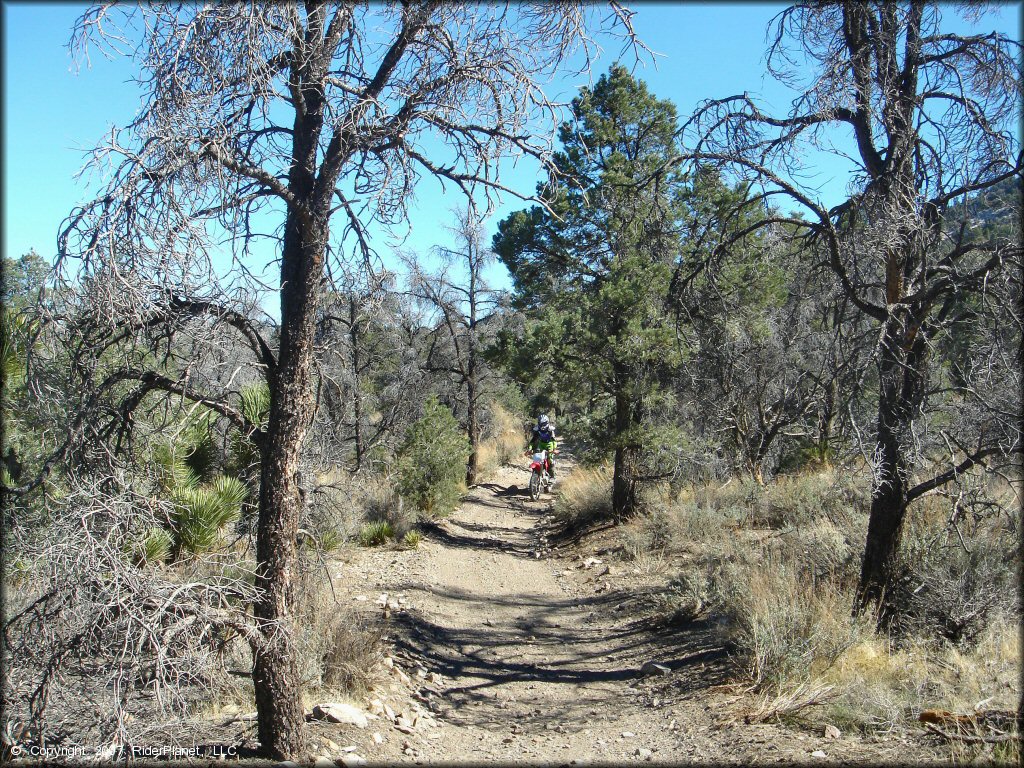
[(539, 659)]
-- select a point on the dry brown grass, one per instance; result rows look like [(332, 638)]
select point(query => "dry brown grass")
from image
[(776, 567), (787, 627), (504, 442), (882, 685), (584, 496), (340, 648)]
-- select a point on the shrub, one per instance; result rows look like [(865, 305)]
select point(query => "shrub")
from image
[(339, 503), (432, 461), (953, 588), (797, 500), (376, 533), (686, 598), (411, 540), (254, 402), (824, 552), (784, 626), (694, 523), (645, 543), (782, 600)]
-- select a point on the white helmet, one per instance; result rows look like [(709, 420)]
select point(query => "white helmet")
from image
[(543, 422)]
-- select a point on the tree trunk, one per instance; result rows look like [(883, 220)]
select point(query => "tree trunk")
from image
[(275, 677), (624, 496), (885, 524), (472, 418), (903, 375), (754, 466), (357, 393), (472, 428)]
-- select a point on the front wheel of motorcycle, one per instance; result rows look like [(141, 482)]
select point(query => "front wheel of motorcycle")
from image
[(535, 485)]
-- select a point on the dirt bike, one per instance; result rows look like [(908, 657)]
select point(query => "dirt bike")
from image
[(540, 474)]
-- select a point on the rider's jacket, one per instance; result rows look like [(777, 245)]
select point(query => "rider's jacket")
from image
[(542, 439)]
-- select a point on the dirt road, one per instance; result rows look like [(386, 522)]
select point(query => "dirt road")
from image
[(517, 651)]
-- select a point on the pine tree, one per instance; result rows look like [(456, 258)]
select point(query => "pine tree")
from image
[(593, 267)]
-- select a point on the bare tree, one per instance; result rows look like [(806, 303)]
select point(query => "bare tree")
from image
[(370, 370), (278, 133), (932, 119), (463, 304)]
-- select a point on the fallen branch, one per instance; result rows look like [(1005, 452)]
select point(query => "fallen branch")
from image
[(972, 738)]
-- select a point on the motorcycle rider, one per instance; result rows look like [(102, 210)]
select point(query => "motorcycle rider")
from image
[(543, 439)]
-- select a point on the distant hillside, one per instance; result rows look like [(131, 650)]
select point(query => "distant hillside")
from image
[(994, 211)]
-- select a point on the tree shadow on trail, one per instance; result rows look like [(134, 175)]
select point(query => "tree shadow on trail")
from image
[(444, 534), (582, 649), (503, 491)]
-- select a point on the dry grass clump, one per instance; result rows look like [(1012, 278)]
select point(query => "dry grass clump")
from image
[(777, 567), (882, 682), (352, 653), (384, 508), (786, 627), (584, 497), (503, 442), (339, 649)]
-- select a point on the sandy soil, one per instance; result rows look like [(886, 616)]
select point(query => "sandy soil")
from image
[(509, 649)]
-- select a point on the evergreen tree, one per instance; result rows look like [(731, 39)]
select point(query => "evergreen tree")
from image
[(593, 266)]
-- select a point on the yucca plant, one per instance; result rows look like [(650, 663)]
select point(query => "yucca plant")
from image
[(190, 458), (173, 471), (201, 513), (254, 403), (330, 540), (155, 547), (14, 330), (376, 533), (203, 502)]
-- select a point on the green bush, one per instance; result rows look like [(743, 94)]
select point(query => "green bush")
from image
[(155, 547), (200, 513), (411, 540), (376, 534), (432, 461)]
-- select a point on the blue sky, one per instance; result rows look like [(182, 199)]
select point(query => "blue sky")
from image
[(55, 111)]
